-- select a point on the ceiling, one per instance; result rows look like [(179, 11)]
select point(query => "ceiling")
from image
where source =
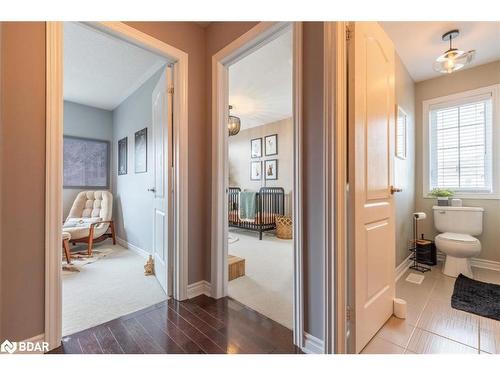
[(260, 84), (100, 70), (419, 43)]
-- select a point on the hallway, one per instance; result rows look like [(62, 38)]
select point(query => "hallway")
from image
[(196, 326)]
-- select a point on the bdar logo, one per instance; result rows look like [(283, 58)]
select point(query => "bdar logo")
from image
[(8, 347)]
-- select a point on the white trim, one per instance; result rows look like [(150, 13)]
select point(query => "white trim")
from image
[(486, 264), (53, 200), (335, 128), (53, 183), (242, 46), (476, 262), (403, 267), (136, 249), (494, 90), (312, 345), (198, 288)]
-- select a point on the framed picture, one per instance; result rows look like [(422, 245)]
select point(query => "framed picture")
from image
[(256, 170), (122, 156), (141, 151), (271, 144), (401, 133), (256, 148), (271, 169), (85, 163)]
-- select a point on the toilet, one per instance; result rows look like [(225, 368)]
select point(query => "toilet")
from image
[(458, 227)]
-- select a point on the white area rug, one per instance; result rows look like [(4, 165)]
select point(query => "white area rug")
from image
[(267, 286), (105, 290)]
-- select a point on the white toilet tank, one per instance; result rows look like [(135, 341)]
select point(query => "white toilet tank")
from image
[(465, 220)]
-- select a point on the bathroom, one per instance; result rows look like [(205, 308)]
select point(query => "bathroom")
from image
[(446, 167)]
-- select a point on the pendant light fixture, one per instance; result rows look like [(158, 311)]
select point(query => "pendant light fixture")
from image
[(234, 123), (453, 59)]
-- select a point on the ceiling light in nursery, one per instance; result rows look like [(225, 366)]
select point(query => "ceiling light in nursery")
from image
[(234, 123), (453, 59)]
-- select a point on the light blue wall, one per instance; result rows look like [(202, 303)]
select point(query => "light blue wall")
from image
[(87, 122), (133, 204)]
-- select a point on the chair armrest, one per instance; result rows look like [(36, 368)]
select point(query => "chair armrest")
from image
[(101, 222)]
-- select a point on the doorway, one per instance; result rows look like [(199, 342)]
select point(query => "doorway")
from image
[(227, 199), (168, 163)]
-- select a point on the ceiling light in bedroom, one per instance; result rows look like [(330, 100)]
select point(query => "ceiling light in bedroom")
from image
[(453, 59), (234, 123)]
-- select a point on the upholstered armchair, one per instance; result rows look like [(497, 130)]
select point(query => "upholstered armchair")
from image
[(89, 220)]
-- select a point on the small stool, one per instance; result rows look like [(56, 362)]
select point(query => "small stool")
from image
[(65, 243)]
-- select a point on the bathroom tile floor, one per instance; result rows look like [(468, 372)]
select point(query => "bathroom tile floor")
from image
[(432, 325)]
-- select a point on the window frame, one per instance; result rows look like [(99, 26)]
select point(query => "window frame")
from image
[(454, 99)]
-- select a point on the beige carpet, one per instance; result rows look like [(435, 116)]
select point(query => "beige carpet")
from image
[(104, 290), (267, 286)]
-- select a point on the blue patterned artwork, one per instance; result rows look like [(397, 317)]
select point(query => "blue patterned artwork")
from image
[(85, 163)]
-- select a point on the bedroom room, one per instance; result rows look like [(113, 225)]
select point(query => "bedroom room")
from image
[(109, 142), (260, 161)]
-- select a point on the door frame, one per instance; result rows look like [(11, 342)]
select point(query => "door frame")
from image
[(256, 37), (336, 188), (53, 173)]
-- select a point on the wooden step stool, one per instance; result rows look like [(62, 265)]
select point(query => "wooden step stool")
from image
[(236, 267)]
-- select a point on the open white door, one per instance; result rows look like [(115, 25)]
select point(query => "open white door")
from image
[(371, 143), (162, 190)]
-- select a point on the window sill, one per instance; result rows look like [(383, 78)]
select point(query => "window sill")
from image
[(470, 196)]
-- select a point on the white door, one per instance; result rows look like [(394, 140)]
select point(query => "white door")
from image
[(371, 135), (163, 164)]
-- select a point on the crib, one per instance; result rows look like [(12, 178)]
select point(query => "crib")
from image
[(270, 202)]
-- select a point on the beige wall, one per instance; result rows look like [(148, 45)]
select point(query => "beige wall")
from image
[(473, 78), (404, 170), (23, 117), (239, 158), (190, 37), (23, 179)]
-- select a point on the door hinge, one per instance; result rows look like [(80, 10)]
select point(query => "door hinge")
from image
[(348, 313), (347, 33), (170, 90)]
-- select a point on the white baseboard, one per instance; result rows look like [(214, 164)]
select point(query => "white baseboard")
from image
[(403, 266), (313, 345), (477, 262), (199, 288), (143, 253)]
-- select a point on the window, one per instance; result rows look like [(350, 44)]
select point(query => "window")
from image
[(460, 134)]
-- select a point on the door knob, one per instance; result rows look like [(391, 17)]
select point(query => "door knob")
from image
[(395, 190), (152, 190)]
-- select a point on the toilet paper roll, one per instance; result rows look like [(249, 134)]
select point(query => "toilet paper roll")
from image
[(420, 215), (399, 308), (456, 202)]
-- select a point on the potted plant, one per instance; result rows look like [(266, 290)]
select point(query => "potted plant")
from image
[(442, 195)]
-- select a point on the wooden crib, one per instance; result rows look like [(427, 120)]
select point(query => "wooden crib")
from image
[(270, 201)]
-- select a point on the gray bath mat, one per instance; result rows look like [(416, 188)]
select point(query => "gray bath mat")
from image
[(476, 297)]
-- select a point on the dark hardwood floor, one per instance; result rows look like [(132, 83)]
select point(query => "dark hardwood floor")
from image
[(196, 326)]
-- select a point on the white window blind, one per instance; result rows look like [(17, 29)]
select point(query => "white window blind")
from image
[(460, 140)]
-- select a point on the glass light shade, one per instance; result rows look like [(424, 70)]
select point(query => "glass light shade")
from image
[(452, 60), (234, 125)]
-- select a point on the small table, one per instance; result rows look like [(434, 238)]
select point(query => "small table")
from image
[(65, 244)]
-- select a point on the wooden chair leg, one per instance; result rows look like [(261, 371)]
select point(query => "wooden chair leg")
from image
[(112, 227), (66, 251), (91, 241)]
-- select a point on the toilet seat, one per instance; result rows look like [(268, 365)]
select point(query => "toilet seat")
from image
[(458, 237)]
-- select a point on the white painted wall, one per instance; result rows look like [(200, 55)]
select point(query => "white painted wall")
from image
[(239, 158), (88, 122), (133, 204)]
